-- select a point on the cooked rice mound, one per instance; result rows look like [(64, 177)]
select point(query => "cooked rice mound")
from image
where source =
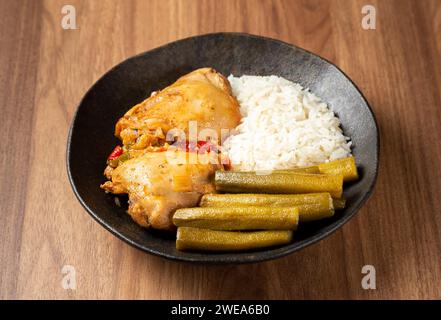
[(283, 126)]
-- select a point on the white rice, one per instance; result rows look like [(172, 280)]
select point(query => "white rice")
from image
[(283, 126)]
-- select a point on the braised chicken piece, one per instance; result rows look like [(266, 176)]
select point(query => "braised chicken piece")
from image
[(203, 95), (142, 168), (158, 183)]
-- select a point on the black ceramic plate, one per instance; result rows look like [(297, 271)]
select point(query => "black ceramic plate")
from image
[(91, 135)]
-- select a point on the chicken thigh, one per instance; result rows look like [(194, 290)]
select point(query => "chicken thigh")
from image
[(158, 183), (144, 168), (203, 95)]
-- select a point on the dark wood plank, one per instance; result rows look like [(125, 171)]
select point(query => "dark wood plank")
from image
[(20, 27)]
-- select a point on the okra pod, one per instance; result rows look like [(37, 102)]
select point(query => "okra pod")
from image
[(213, 240), (345, 167), (238, 218), (312, 206), (339, 204), (250, 182)]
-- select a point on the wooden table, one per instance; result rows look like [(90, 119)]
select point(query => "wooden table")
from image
[(45, 70)]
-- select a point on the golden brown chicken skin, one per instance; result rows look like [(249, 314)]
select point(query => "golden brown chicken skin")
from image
[(203, 95), (158, 183), (157, 186)]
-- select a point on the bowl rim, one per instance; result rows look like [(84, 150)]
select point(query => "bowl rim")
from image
[(258, 256)]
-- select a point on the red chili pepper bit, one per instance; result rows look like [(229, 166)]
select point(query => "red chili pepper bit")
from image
[(207, 146), (202, 143), (203, 146), (191, 146), (115, 153)]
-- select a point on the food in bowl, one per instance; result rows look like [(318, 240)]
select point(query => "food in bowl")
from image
[(157, 186), (283, 126), (230, 169)]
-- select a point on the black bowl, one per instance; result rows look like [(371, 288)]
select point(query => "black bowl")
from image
[(91, 135)]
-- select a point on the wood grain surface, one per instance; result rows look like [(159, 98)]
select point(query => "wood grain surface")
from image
[(45, 70)]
